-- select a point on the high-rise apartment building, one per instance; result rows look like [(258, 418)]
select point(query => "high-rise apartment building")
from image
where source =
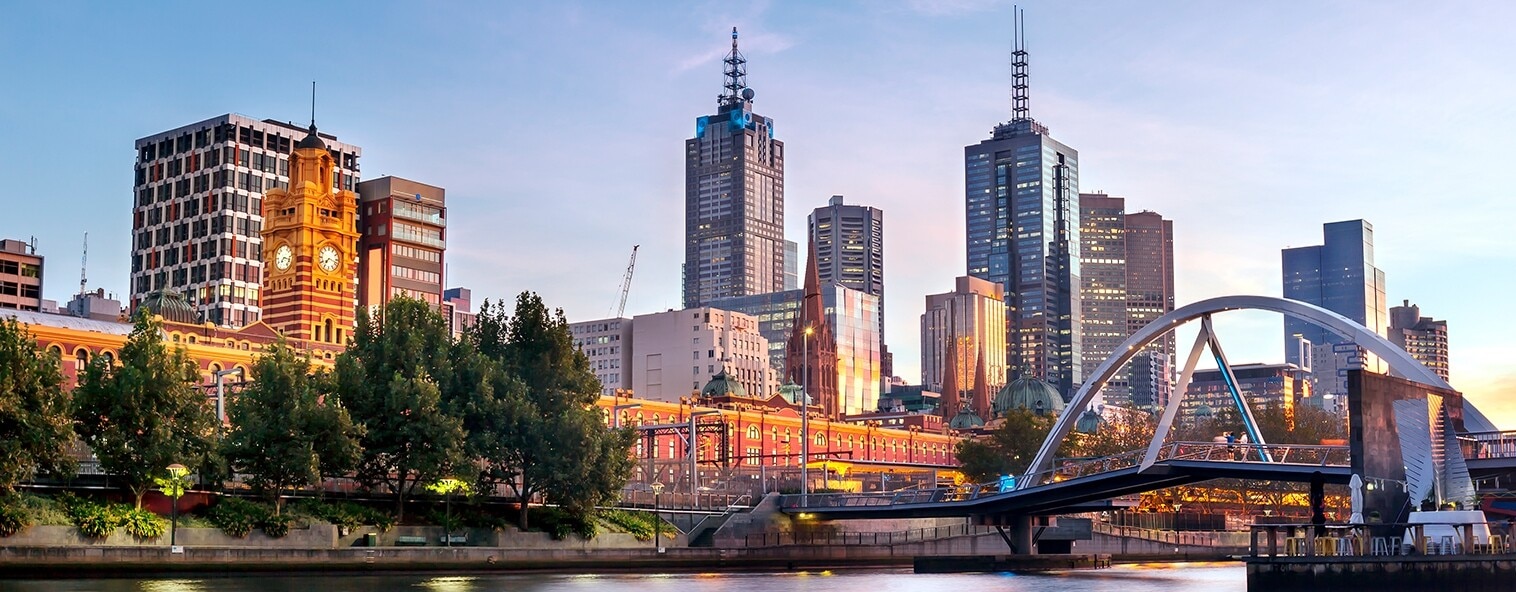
[(958, 329), (458, 307), (702, 340), (608, 345), (404, 228), (20, 276), (733, 197), (1022, 219), (198, 216), (1424, 338), (1338, 275), (1127, 281)]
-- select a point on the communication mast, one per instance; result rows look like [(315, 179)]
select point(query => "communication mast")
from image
[(83, 264)]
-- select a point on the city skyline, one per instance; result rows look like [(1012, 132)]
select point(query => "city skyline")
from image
[(1220, 125)]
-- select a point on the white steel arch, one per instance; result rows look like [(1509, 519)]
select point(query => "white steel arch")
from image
[(1400, 362)]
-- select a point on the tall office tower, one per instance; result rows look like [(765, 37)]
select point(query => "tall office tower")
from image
[(198, 218), (404, 227), (1102, 290), (310, 241), (1338, 275), (849, 243), (1022, 218), (1424, 338), (20, 276), (733, 197), (955, 328), (791, 265), (1149, 295)]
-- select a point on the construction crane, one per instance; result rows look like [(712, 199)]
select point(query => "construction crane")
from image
[(626, 282)]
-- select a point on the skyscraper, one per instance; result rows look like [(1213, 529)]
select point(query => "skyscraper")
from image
[(959, 328), (1127, 282), (1424, 338), (1022, 219), (198, 214), (404, 227), (849, 245), (733, 197), (1338, 275)]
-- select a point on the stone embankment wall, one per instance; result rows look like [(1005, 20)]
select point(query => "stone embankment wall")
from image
[(326, 536)]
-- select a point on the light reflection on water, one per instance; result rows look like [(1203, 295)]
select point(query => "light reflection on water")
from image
[(1166, 577)]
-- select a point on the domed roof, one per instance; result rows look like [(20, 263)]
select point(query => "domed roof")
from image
[(722, 385), (965, 420), (311, 140), (1204, 410), (170, 305), (1028, 393), (1088, 423)]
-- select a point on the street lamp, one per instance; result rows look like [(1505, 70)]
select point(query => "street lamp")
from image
[(657, 522), (174, 487), (805, 415), (221, 394)]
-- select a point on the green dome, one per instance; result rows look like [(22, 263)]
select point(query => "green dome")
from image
[(722, 385), (965, 420), (1028, 393), (170, 305), (1204, 410), (1089, 422)]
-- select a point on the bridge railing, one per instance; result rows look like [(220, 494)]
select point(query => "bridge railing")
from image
[(901, 537)]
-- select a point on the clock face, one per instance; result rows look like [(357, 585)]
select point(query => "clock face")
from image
[(283, 257), (329, 258)]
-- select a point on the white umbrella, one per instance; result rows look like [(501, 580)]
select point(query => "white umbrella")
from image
[(1356, 485)]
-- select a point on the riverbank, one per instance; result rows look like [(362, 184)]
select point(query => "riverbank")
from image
[(104, 561)]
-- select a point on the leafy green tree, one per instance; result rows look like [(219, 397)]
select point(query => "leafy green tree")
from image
[(543, 434), (392, 380), (36, 428), (145, 414), (285, 432), (1122, 431), (1008, 449), (1300, 424)]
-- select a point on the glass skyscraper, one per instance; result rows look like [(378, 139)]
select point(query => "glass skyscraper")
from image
[(1338, 275), (1022, 218)]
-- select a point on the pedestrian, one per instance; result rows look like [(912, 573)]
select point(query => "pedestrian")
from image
[(1231, 445)]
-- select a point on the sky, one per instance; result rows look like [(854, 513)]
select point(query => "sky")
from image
[(557, 129)]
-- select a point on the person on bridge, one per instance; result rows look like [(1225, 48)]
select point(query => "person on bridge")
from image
[(1231, 445)]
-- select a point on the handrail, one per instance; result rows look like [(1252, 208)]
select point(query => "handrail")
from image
[(1380, 539)]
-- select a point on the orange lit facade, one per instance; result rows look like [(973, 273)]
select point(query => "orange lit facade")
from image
[(771, 436)]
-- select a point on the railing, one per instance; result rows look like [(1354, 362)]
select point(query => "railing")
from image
[(1295, 454), (742, 502), (1479, 445), (1381, 540), (1208, 538), (774, 539), (683, 502)]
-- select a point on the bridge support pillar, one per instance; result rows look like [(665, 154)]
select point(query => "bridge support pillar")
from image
[(1021, 535)]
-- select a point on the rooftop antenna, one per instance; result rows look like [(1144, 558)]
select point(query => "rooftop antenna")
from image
[(1019, 109), (736, 75), (83, 264), (313, 104)]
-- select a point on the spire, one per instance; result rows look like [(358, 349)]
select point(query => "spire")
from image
[(813, 353), (981, 388), (736, 89), (950, 402), (1019, 109)]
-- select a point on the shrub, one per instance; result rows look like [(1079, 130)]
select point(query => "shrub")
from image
[(277, 526), (13, 515), (344, 514), (637, 524), (142, 523), (44, 510), (96, 521), (560, 524), (237, 517)]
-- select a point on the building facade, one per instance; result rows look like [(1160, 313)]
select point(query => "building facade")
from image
[(853, 318), (733, 198), (1425, 338), (20, 276), (1149, 295), (608, 345), (310, 240), (404, 242), (197, 218), (702, 340), (958, 329), (458, 307), (1262, 386), (850, 246), (1338, 275)]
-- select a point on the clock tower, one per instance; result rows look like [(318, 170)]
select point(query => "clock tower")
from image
[(309, 250)]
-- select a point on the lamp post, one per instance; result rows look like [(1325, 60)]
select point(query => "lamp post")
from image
[(174, 487), (657, 522), (805, 416), (221, 394)]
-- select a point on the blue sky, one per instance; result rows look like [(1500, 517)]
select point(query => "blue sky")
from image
[(557, 129)]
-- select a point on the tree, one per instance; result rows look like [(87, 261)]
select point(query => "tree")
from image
[(541, 433), (1126, 430), (1297, 424), (285, 432), (1008, 450), (145, 414), (36, 428), (391, 379)]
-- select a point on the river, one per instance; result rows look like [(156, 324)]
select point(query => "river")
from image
[(1167, 577)]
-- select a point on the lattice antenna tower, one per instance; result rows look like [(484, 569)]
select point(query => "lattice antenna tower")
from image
[(736, 74), (1019, 109)]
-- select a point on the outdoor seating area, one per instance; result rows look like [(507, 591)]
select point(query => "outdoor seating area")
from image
[(1381, 540)]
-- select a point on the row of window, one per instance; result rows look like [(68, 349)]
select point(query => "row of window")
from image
[(21, 269)]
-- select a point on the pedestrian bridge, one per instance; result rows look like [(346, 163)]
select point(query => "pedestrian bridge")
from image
[(1075, 486)]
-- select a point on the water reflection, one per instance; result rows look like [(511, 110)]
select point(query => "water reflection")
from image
[(1166, 577)]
